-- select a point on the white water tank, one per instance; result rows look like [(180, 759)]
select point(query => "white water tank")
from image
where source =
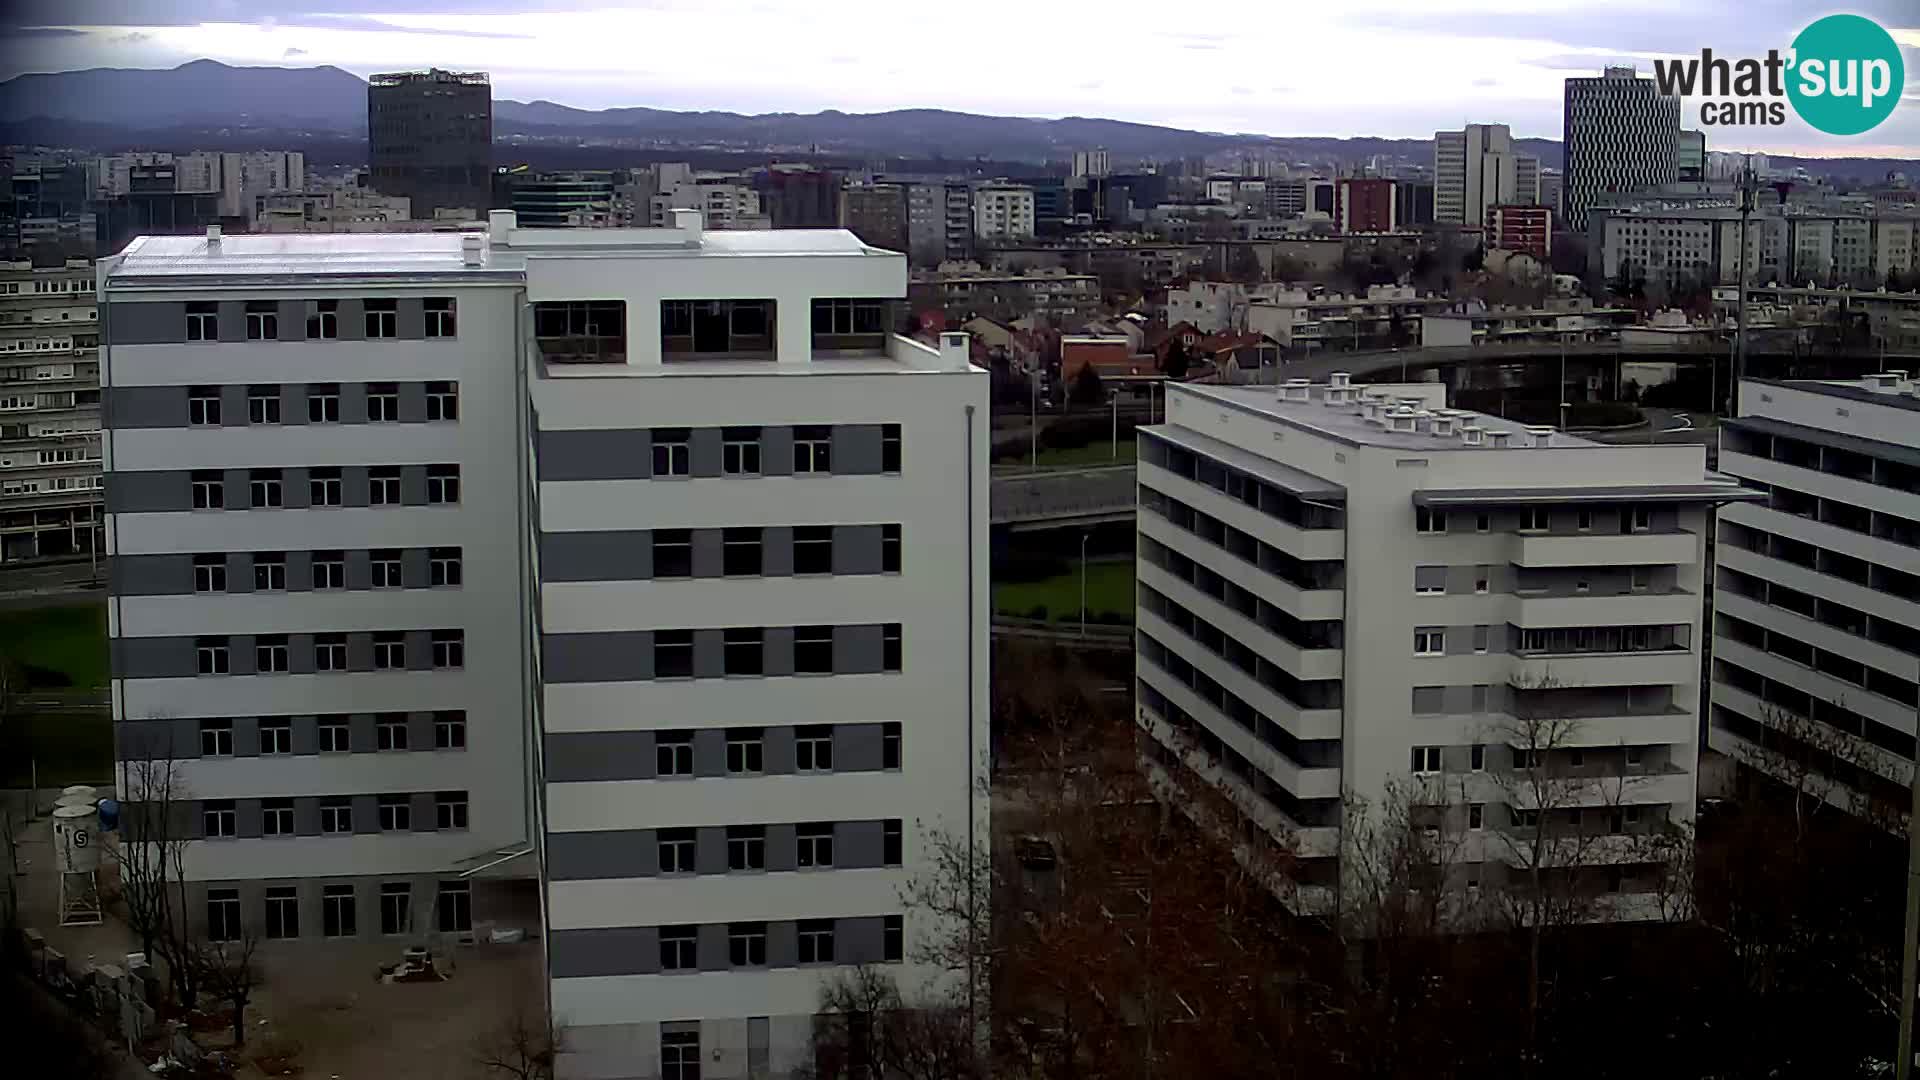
[(79, 789), (76, 839)]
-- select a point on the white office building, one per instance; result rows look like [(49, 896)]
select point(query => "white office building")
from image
[(1002, 212), (1476, 168), (1621, 135), (1343, 588), (635, 577), (1817, 588)]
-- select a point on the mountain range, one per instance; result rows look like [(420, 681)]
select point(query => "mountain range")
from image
[(122, 108)]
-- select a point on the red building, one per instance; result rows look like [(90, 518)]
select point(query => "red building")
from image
[(1364, 204), (1521, 228)]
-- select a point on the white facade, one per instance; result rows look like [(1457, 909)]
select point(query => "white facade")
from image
[(1002, 212), (1816, 598), (1426, 579), (727, 201), (1095, 162), (49, 410), (1703, 244), (1476, 168), (724, 595), (1621, 135)]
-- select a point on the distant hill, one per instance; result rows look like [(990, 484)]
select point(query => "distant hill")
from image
[(208, 103)]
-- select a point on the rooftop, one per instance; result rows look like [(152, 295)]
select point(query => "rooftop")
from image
[(1901, 394), (1348, 424)]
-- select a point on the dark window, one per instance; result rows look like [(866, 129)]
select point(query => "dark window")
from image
[(263, 405), (890, 448), (270, 654), (813, 650), (390, 731), (440, 323), (335, 735), (209, 490), (336, 817), (679, 948), (323, 403), (390, 651), (324, 487), (746, 847), (383, 318), (673, 654), (673, 753), (216, 738), (813, 549), (747, 944), (443, 401), (672, 553), (816, 846), (889, 549), (396, 813), (450, 810), (893, 939), (203, 406), (217, 819), (679, 1055), (890, 647), (443, 566), (383, 485), (745, 652), (890, 745), (891, 842), (269, 571), (443, 484), (210, 655), (276, 735), (740, 451), (263, 489), (396, 907), (813, 748), (741, 552), (223, 912), (816, 941), (383, 403), (263, 320), (744, 751), (203, 321), (813, 449), (337, 911), (330, 652), (323, 320), (676, 851), (454, 906), (385, 566), (449, 649), (450, 730), (672, 452), (209, 573)]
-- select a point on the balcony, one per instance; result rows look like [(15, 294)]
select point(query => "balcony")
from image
[(716, 330), (1676, 548), (852, 327), (1623, 609), (1669, 667), (581, 331)]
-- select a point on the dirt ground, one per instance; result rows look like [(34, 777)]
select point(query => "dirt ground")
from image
[(322, 999)]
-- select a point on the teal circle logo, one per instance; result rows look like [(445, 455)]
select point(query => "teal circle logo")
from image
[(1847, 74)]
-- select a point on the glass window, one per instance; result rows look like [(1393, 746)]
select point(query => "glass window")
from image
[(740, 451), (676, 851), (892, 840), (672, 553), (746, 847), (203, 406), (443, 401), (336, 816), (450, 810), (439, 312), (443, 484), (396, 907), (889, 549), (337, 914), (324, 487), (813, 748), (741, 552), (813, 650), (335, 735), (745, 651), (449, 649), (216, 737), (673, 753), (449, 730), (672, 451), (396, 813), (747, 944), (816, 941), (453, 907), (679, 948), (276, 735), (209, 573), (390, 731), (813, 449), (815, 846), (383, 403), (263, 405), (813, 549), (269, 571), (323, 403), (383, 485), (330, 652), (443, 566), (890, 745), (890, 448), (223, 915), (745, 748), (673, 654), (382, 318)]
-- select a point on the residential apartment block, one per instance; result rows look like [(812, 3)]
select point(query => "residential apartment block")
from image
[(1701, 244), (1003, 212), (1476, 169), (49, 411), (1343, 588), (1817, 590), (632, 578)]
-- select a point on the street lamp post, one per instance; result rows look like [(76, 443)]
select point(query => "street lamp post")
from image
[(1033, 416), (1083, 582), (1113, 396)]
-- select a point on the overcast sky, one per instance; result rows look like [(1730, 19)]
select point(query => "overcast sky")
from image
[(1283, 67)]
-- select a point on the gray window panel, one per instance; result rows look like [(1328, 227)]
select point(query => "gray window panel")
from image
[(359, 569), (711, 949), (1482, 636), (154, 657), (776, 750), (580, 756), (362, 727), (1459, 640), (710, 849), (1429, 699), (617, 656), (596, 455), (419, 728), (134, 740), (247, 821), (856, 449), (360, 658), (294, 491), (413, 485), (703, 451), (237, 492), (293, 396), (778, 650), (859, 844), (709, 746), (145, 324), (859, 940), (1429, 577), (858, 649), (353, 320), (128, 407), (415, 571), (233, 320), (233, 406), (306, 730), (857, 747), (306, 815), (709, 552), (354, 487), (783, 944), (618, 950), (776, 450), (783, 845), (709, 654), (413, 403), (150, 575), (596, 556), (300, 570), (366, 813), (353, 401), (300, 654), (189, 820), (856, 549), (424, 817), (411, 318), (1499, 639), (420, 652), (240, 659), (246, 735), (239, 572), (149, 492), (293, 324), (593, 856), (776, 551)]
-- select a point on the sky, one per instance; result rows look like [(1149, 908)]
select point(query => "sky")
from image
[(1396, 68)]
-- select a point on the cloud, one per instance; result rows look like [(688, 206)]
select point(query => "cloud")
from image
[(42, 32), (1486, 81), (291, 53), (132, 37), (382, 26), (1240, 90)]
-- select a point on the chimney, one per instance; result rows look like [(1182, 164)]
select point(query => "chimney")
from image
[(213, 236), (1338, 379), (500, 223), (689, 222), (1542, 434), (1400, 420), (955, 350), (1443, 424), (1473, 435), (1295, 390), (1884, 382), (470, 250), (1501, 438)]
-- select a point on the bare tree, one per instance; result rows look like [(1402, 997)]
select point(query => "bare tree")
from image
[(523, 1047), (1812, 761), (150, 857), (228, 972)]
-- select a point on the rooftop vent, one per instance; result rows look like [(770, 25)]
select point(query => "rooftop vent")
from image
[(1400, 420), (1296, 390), (1542, 434), (1885, 382), (1338, 395), (1422, 420), (1338, 379), (1501, 438), (1473, 435), (470, 252), (213, 236), (1443, 424)]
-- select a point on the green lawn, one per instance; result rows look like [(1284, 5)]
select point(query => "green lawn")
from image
[(1099, 452), (67, 747), (71, 641), (1109, 591)]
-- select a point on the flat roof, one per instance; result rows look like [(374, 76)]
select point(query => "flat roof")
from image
[(1287, 478), (1850, 390), (1345, 424), (1705, 491)]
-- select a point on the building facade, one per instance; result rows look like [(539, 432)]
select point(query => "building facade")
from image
[(1365, 204), (635, 579), (1476, 168), (430, 138), (50, 472), (1816, 599), (1527, 229), (1436, 591), (1003, 212), (1620, 135), (576, 200), (876, 213)]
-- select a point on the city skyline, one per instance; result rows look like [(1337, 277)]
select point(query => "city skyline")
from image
[(1414, 81)]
